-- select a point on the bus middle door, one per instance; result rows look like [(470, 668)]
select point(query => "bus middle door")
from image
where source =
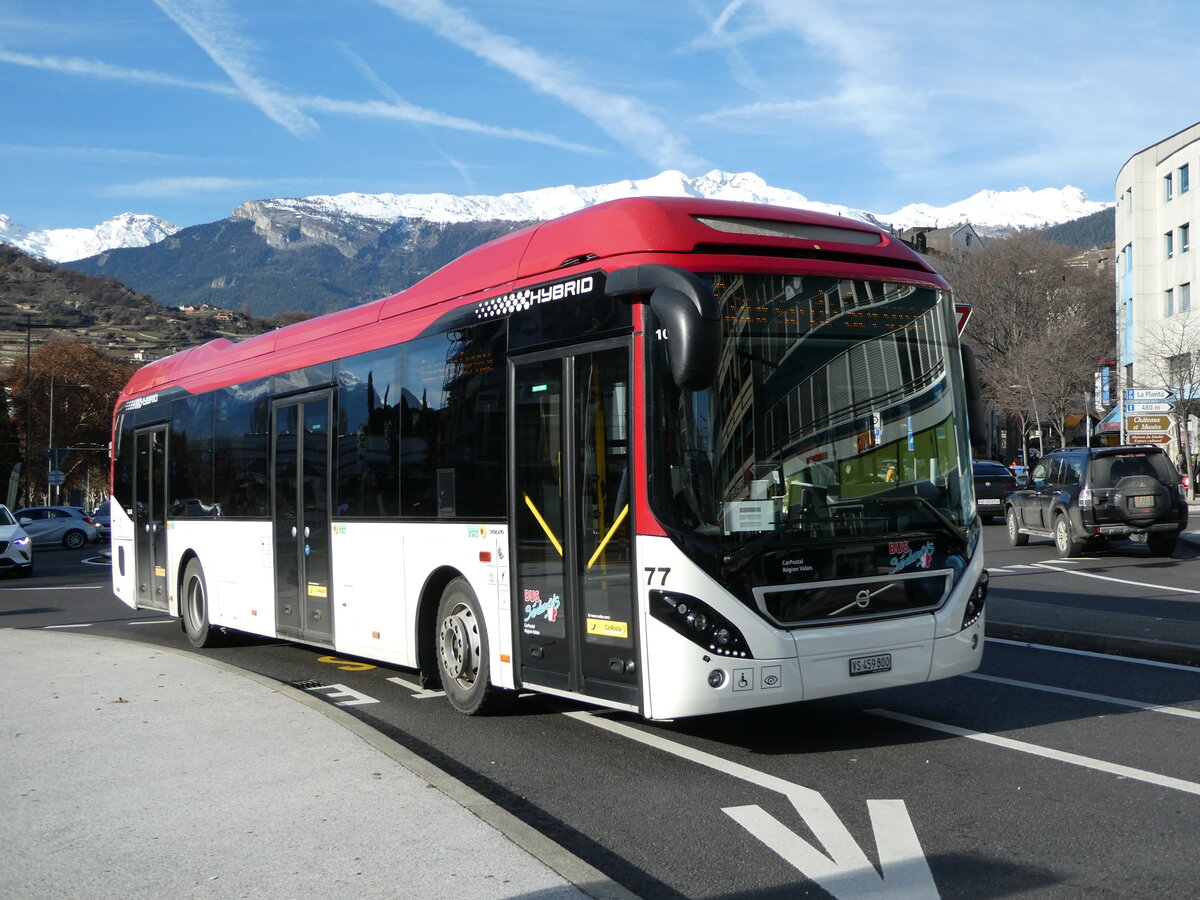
[(300, 510), (573, 592)]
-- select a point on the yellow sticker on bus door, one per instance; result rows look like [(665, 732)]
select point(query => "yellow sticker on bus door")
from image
[(608, 628), (318, 590)]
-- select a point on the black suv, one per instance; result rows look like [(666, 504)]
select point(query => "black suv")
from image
[(1082, 496)]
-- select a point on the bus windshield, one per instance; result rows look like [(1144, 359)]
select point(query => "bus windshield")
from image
[(838, 412)]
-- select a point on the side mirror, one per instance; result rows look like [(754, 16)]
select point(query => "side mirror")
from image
[(690, 313), (24, 520), (975, 414)]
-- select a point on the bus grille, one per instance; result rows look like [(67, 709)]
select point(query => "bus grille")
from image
[(840, 602)]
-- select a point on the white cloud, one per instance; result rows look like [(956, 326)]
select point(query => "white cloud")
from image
[(625, 119), (118, 155), (398, 110), (190, 185), (208, 24), (92, 68)]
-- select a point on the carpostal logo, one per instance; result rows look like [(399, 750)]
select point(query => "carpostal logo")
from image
[(519, 301)]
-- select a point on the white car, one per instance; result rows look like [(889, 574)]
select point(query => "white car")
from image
[(16, 554)]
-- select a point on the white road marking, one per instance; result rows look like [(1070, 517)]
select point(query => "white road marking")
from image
[(418, 692), (151, 621), (355, 698), (1111, 657), (1157, 587), (841, 868), (80, 625), (1087, 762), (1085, 695), (56, 587)]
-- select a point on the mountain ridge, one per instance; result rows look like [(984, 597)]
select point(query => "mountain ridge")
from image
[(321, 218)]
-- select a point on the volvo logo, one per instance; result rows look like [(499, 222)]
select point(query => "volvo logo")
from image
[(863, 598)]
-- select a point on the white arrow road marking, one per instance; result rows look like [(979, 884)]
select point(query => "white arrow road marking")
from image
[(1087, 762), (905, 873), (340, 690), (418, 692), (843, 869)]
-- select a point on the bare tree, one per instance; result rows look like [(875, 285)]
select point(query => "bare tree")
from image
[(1170, 350), (1040, 324)]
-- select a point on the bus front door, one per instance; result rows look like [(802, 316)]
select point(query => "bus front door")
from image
[(300, 510), (150, 517), (573, 595)]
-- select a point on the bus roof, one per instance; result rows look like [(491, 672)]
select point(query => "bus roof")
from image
[(593, 238)]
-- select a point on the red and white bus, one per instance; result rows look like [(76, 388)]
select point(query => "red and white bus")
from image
[(671, 456)]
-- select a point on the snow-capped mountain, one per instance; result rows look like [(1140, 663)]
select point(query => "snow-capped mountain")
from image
[(336, 219), (537, 205), (990, 210), (66, 244)]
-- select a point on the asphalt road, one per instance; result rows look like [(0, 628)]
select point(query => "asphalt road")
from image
[(1048, 773)]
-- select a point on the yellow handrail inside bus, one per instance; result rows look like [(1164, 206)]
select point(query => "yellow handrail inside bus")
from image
[(604, 543), (546, 528)]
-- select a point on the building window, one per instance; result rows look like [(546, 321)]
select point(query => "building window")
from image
[(1169, 302), (1185, 297), (1184, 237), (1179, 369), (1166, 188), (1183, 179), (1169, 243)]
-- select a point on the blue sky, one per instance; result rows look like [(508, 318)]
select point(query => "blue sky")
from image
[(185, 108)]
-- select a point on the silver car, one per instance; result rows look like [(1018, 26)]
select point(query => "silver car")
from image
[(66, 525), (16, 550), (102, 520)]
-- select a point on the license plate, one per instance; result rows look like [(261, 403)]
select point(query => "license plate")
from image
[(989, 502), (1143, 501), (865, 665)]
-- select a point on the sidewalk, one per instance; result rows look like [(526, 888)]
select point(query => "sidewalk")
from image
[(131, 771)]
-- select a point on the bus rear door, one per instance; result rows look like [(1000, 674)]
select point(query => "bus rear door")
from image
[(150, 516), (573, 593)]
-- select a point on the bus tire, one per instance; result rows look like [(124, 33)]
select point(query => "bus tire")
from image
[(194, 608), (461, 647)]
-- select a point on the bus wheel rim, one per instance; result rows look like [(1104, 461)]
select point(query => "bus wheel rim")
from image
[(459, 645), (195, 602)]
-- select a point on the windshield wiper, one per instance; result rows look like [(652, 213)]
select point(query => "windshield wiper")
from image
[(951, 530)]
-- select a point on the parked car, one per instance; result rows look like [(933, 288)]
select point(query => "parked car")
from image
[(66, 525), (1086, 496), (102, 520), (16, 548), (993, 486)]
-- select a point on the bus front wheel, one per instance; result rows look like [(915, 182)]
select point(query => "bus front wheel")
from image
[(462, 654), (200, 632)]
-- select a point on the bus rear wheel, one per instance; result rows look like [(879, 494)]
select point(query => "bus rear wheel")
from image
[(462, 654), (194, 601)]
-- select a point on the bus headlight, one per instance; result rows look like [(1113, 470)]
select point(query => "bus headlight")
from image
[(976, 601), (699, 623)]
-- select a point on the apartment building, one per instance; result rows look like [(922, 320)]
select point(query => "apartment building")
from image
[(1158, 329)]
